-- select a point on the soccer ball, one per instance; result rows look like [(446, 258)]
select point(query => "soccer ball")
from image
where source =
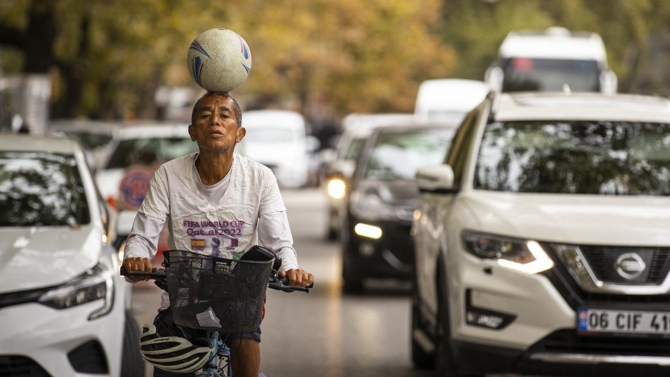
[(219, 60)]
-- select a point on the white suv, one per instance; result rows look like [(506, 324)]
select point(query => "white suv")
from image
[(543, 241)]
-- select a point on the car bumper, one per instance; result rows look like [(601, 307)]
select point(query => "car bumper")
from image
[(540, 336), (61, 341), (390, 256), (504, 360)]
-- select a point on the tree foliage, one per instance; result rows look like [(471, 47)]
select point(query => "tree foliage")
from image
[(109, 57)]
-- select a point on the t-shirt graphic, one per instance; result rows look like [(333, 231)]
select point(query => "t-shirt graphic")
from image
[(215, 247)]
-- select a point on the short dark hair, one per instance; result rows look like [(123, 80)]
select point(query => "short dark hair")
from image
[(238, 110)]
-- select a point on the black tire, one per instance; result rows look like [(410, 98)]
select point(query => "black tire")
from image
[(132, 364), (352, 281), (351, 284), (445, 365), (420, 358), (331, 234)]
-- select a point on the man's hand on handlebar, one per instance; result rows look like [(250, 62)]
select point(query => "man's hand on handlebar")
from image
[(137, 264), (297, 277)]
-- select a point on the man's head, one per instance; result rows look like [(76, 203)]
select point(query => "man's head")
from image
[(238, 111), (216, 123)]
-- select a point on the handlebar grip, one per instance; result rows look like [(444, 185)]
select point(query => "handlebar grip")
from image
[(284, 281), (154, 274)]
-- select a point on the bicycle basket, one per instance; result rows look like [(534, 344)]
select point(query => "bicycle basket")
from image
[(216, 293)]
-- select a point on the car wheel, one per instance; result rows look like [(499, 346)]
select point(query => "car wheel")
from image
[(352, 283), (420, 358), (445, 364), (331, 234), (132, 364), (352, 280)]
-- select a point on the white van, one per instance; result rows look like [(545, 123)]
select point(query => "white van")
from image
[(278, 139), (552, 60), (448, 100)]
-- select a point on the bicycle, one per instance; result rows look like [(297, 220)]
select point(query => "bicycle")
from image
[(229, 289)]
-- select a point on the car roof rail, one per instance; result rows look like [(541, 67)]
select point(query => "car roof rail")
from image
[(495, 104)]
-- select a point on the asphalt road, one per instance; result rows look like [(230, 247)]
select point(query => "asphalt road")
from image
[(323, 333)]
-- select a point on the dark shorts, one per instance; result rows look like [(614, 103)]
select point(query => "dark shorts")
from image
[(165, 317)]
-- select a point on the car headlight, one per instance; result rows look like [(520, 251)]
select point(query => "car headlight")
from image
[(522, 255), (95, 284), (336, 188), (370, 207)]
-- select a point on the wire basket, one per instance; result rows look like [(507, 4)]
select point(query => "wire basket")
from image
[(216, 293)]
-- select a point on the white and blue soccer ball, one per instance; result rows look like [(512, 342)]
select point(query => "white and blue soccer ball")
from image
[(219, 60)]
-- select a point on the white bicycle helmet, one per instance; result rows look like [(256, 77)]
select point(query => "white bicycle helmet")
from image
[(172, 352)]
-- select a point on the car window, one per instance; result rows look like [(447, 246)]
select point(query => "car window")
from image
[(575, 157), (353, 149), (90, 140), (269, 134), (397, 155), (147, 151), (525, 74), (41, 189), (460, 145)]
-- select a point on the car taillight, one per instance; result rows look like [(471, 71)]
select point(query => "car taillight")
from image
[(112, 202)]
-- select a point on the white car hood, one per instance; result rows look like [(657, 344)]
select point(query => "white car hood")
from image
[(577, 219), (108, 182), (39, 257)]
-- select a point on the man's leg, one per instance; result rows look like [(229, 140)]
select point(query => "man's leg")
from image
[(246, 354)]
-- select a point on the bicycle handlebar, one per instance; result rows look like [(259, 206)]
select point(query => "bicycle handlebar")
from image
[(280, 284)]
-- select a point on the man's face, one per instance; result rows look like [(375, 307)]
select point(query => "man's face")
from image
[(215, 127)]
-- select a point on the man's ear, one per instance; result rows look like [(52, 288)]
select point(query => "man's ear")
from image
[(241, 132), (190, 132)]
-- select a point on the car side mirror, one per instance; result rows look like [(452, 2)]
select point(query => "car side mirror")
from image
[(494, 78), (608, 82), (124, 224), (313, 144), (438, 179)]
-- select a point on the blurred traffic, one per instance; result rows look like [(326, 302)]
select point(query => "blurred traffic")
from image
[(511, 184)]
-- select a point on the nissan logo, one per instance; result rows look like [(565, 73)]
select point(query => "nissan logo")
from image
[(630, 265)]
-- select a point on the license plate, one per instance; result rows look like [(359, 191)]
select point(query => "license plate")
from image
[(623, 321)]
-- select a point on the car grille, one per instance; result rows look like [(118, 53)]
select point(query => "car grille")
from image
[(568, 341), (89, 358), (19, 366), (602, 260), (577, 297)]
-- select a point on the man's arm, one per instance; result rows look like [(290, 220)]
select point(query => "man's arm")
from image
[(275, 234), (142, 242)]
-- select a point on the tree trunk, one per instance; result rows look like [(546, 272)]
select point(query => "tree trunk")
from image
[(39, 37)]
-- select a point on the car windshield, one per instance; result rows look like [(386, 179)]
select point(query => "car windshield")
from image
[(90, 140), (397, 155), (451, 116), (148, 151), (41, 189), (577, 157), (524, 74), (352, 150), (269, 134)]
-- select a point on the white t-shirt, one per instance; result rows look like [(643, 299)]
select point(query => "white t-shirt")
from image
[(212, 220)]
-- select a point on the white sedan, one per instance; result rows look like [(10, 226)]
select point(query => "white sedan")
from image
[(63, 306)]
